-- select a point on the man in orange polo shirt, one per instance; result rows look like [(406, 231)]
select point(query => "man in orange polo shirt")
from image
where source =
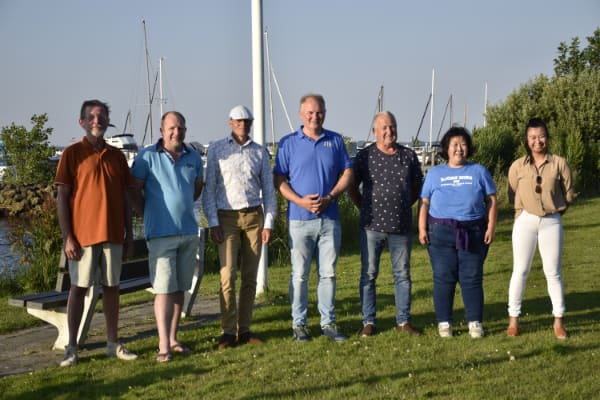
[(94, 214)]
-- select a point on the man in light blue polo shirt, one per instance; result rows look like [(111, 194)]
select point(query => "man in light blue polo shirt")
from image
[(170, 175), (312, 169)]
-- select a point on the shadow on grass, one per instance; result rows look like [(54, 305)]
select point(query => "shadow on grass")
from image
[(79, 385)]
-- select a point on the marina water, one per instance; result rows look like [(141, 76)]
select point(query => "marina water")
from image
[(7, 259)]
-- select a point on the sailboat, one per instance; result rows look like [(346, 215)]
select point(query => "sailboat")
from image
[(125, 142)]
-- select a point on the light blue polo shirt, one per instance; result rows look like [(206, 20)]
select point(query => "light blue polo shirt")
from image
[(312, 167), (168, 190)]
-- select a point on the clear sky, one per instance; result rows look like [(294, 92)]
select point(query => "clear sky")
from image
[(54, 54)]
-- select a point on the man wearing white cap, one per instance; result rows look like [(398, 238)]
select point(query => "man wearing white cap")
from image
[(238, 184)]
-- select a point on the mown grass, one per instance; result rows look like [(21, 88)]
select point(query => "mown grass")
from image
[(387, 366)]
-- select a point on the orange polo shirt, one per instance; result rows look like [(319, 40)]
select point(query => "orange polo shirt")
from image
[(99, 180)]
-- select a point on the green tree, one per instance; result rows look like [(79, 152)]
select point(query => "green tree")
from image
[(495, 148), (28, 152), (572, 61)]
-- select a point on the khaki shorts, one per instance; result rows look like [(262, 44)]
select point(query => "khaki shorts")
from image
[(171, 261), (99, 264)]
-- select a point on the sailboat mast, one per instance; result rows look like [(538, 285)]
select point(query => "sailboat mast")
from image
[(431, 109), (485, 101), (148, 79), (160, 84)]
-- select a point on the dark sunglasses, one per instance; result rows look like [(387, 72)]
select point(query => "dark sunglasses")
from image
[(538, 186)]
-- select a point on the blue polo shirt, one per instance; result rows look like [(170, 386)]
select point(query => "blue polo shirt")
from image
[(168, 190), (312, 167)]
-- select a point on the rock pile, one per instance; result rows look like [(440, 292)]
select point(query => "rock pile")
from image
[(15, 200)]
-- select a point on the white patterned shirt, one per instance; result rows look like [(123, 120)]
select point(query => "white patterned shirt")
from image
[(238, 177)]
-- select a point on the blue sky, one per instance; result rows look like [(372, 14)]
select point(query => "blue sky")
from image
[(57, 53)]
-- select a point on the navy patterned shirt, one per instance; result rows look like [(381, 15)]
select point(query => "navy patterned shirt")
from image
[(387, 182)]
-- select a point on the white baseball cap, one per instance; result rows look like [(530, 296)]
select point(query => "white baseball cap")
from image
[(240, 112)]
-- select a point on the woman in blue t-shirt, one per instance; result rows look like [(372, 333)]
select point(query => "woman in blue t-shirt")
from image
[(457, 219)]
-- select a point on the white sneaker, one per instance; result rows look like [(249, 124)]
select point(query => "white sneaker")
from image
[(475, 329), (119, 351), (445, 329), (70, 356)]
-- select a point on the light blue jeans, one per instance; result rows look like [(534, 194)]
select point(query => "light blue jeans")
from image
[(320, 238), (371, 247)]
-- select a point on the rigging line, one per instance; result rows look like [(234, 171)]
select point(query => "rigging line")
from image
[(423, 118), (378, 108), (149, 116), (281, 99), (443, 119)]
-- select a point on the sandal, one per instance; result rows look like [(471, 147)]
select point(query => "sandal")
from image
[(181, 349), (163, 357)]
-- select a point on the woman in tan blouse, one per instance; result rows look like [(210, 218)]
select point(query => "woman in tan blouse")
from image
[(541, 188)]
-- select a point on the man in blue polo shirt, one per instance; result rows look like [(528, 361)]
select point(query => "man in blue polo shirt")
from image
[(312, 169), (170, 175)]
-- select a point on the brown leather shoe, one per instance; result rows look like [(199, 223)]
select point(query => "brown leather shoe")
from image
[(407, 327), (367, 330), (226, 341), (248, 338), (560, 333), (512, 331)]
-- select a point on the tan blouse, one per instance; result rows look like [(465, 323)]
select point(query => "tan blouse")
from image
[(553, 180)]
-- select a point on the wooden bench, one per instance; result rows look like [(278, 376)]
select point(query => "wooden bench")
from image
[(52, 306)]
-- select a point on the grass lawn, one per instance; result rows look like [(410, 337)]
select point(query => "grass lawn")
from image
[(387, 366)]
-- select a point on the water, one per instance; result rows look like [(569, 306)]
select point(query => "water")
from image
[(7, 260)]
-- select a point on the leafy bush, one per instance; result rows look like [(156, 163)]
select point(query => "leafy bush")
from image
[(37, 239)]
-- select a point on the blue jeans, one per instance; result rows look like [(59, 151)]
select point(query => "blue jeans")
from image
[(371, 246), (450, 266), (321, 238)]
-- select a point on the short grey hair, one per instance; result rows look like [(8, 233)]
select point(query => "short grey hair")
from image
[(382, 114)]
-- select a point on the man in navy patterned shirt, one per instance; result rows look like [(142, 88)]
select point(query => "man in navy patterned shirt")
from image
[(391, 179)]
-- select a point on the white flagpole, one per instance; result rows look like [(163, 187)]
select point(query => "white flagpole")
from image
[(258, 89)]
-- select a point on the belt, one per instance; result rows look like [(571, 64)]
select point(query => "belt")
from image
[(245, 210)]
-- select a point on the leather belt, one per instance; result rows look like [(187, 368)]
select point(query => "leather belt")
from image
[(245, 210)]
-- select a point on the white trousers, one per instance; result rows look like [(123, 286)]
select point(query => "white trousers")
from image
[(546, 232)]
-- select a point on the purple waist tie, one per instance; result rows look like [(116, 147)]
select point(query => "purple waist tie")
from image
[(461, 228)]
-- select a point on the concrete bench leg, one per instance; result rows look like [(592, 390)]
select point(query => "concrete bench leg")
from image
[(190, 295), (89, 305), (58, 318)]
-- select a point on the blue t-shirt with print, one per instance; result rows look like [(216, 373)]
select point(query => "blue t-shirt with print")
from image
[(458, 193)]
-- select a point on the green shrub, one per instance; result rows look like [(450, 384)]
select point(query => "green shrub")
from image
[(496, 149), (37, 240)]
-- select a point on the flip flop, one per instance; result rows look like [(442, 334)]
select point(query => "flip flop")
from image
[(181, 349), (163, 357)]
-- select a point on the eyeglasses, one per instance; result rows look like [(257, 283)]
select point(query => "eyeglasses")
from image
[(538, 186)]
